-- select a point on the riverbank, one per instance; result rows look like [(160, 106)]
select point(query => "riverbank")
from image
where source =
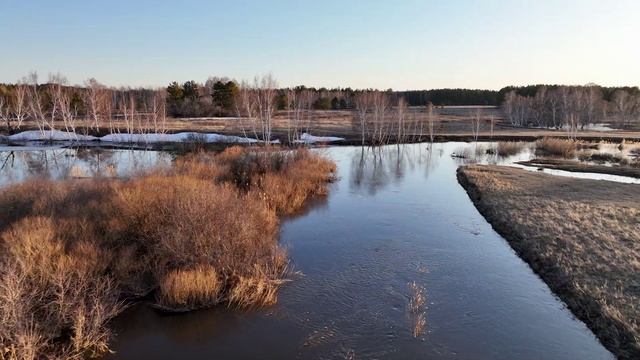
[(576, 166), (580, 236)]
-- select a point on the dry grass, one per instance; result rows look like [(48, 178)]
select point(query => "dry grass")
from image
[(557, 147), (417, 309), (581, 236), (510, 148), (202, 233), (190, 288)]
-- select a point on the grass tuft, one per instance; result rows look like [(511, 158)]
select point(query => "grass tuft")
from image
[(510, 148), (557, 147)]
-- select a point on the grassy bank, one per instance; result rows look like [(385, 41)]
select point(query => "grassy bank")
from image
[(204, 232), (580, 236), (576, 166)]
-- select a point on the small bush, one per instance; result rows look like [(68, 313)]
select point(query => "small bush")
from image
[(509, 148), (190, 289), (557, 147)]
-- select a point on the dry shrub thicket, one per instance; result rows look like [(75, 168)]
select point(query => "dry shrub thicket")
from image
[(203, 232), (510, 148), (557, 147)]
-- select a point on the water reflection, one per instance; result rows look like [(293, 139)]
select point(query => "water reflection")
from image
[(373, 168), (21, 163)]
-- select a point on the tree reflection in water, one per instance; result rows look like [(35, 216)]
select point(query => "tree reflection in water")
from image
[(374, 168)]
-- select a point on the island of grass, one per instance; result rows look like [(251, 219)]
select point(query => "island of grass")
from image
[(581, 236), (74, 253)]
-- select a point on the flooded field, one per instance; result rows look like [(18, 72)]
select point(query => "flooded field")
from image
[(397, 216)]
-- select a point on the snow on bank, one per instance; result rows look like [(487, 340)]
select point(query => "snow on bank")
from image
[(57, 135), (310, 139), (52, 135), (175, 138)]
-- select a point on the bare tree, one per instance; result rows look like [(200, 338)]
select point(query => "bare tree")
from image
[(401, 111), (308, 98), (61, 102), (475, 123), (593, 101), (266, 88), (245, 108), (538, 108), (15, 106), (5, 112), (256, 102), (96, 101), (363, 105), (553, 105), (380, 107), (36, 104), (430, 123), (621, 101), (158, 111)]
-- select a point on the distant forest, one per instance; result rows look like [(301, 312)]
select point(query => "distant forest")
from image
[(219, 96)]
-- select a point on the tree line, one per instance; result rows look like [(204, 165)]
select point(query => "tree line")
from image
[(54, 104), (571, 107)]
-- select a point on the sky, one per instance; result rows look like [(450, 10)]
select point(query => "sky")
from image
[(404, 44)]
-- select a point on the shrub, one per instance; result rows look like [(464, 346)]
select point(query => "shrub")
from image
[(509, 148), (198, 234), (190, 289), (557, 147)]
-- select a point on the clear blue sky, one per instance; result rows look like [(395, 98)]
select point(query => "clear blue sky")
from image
[(359, 43)]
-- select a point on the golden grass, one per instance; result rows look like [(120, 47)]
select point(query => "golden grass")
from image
[(557, 147), (201, 233), (417, 309), (190, 288), (510, 148), (581, 236)]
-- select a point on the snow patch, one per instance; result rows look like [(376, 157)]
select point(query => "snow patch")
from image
[(310, 139), (52, 135), (175, 138), (57, 135)]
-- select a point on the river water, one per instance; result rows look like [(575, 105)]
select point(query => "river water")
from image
[(396, 216)]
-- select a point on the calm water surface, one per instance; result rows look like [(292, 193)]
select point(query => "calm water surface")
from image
[(396, 216), (18, 163)]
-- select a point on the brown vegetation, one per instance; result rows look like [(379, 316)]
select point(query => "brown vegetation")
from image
[(417, 309), (581, 236), (557, 147), (201, 233), (510, 148), (576, 166)]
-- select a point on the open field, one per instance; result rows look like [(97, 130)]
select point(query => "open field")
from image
[(580, 236), (450, 124), (204, 232)]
